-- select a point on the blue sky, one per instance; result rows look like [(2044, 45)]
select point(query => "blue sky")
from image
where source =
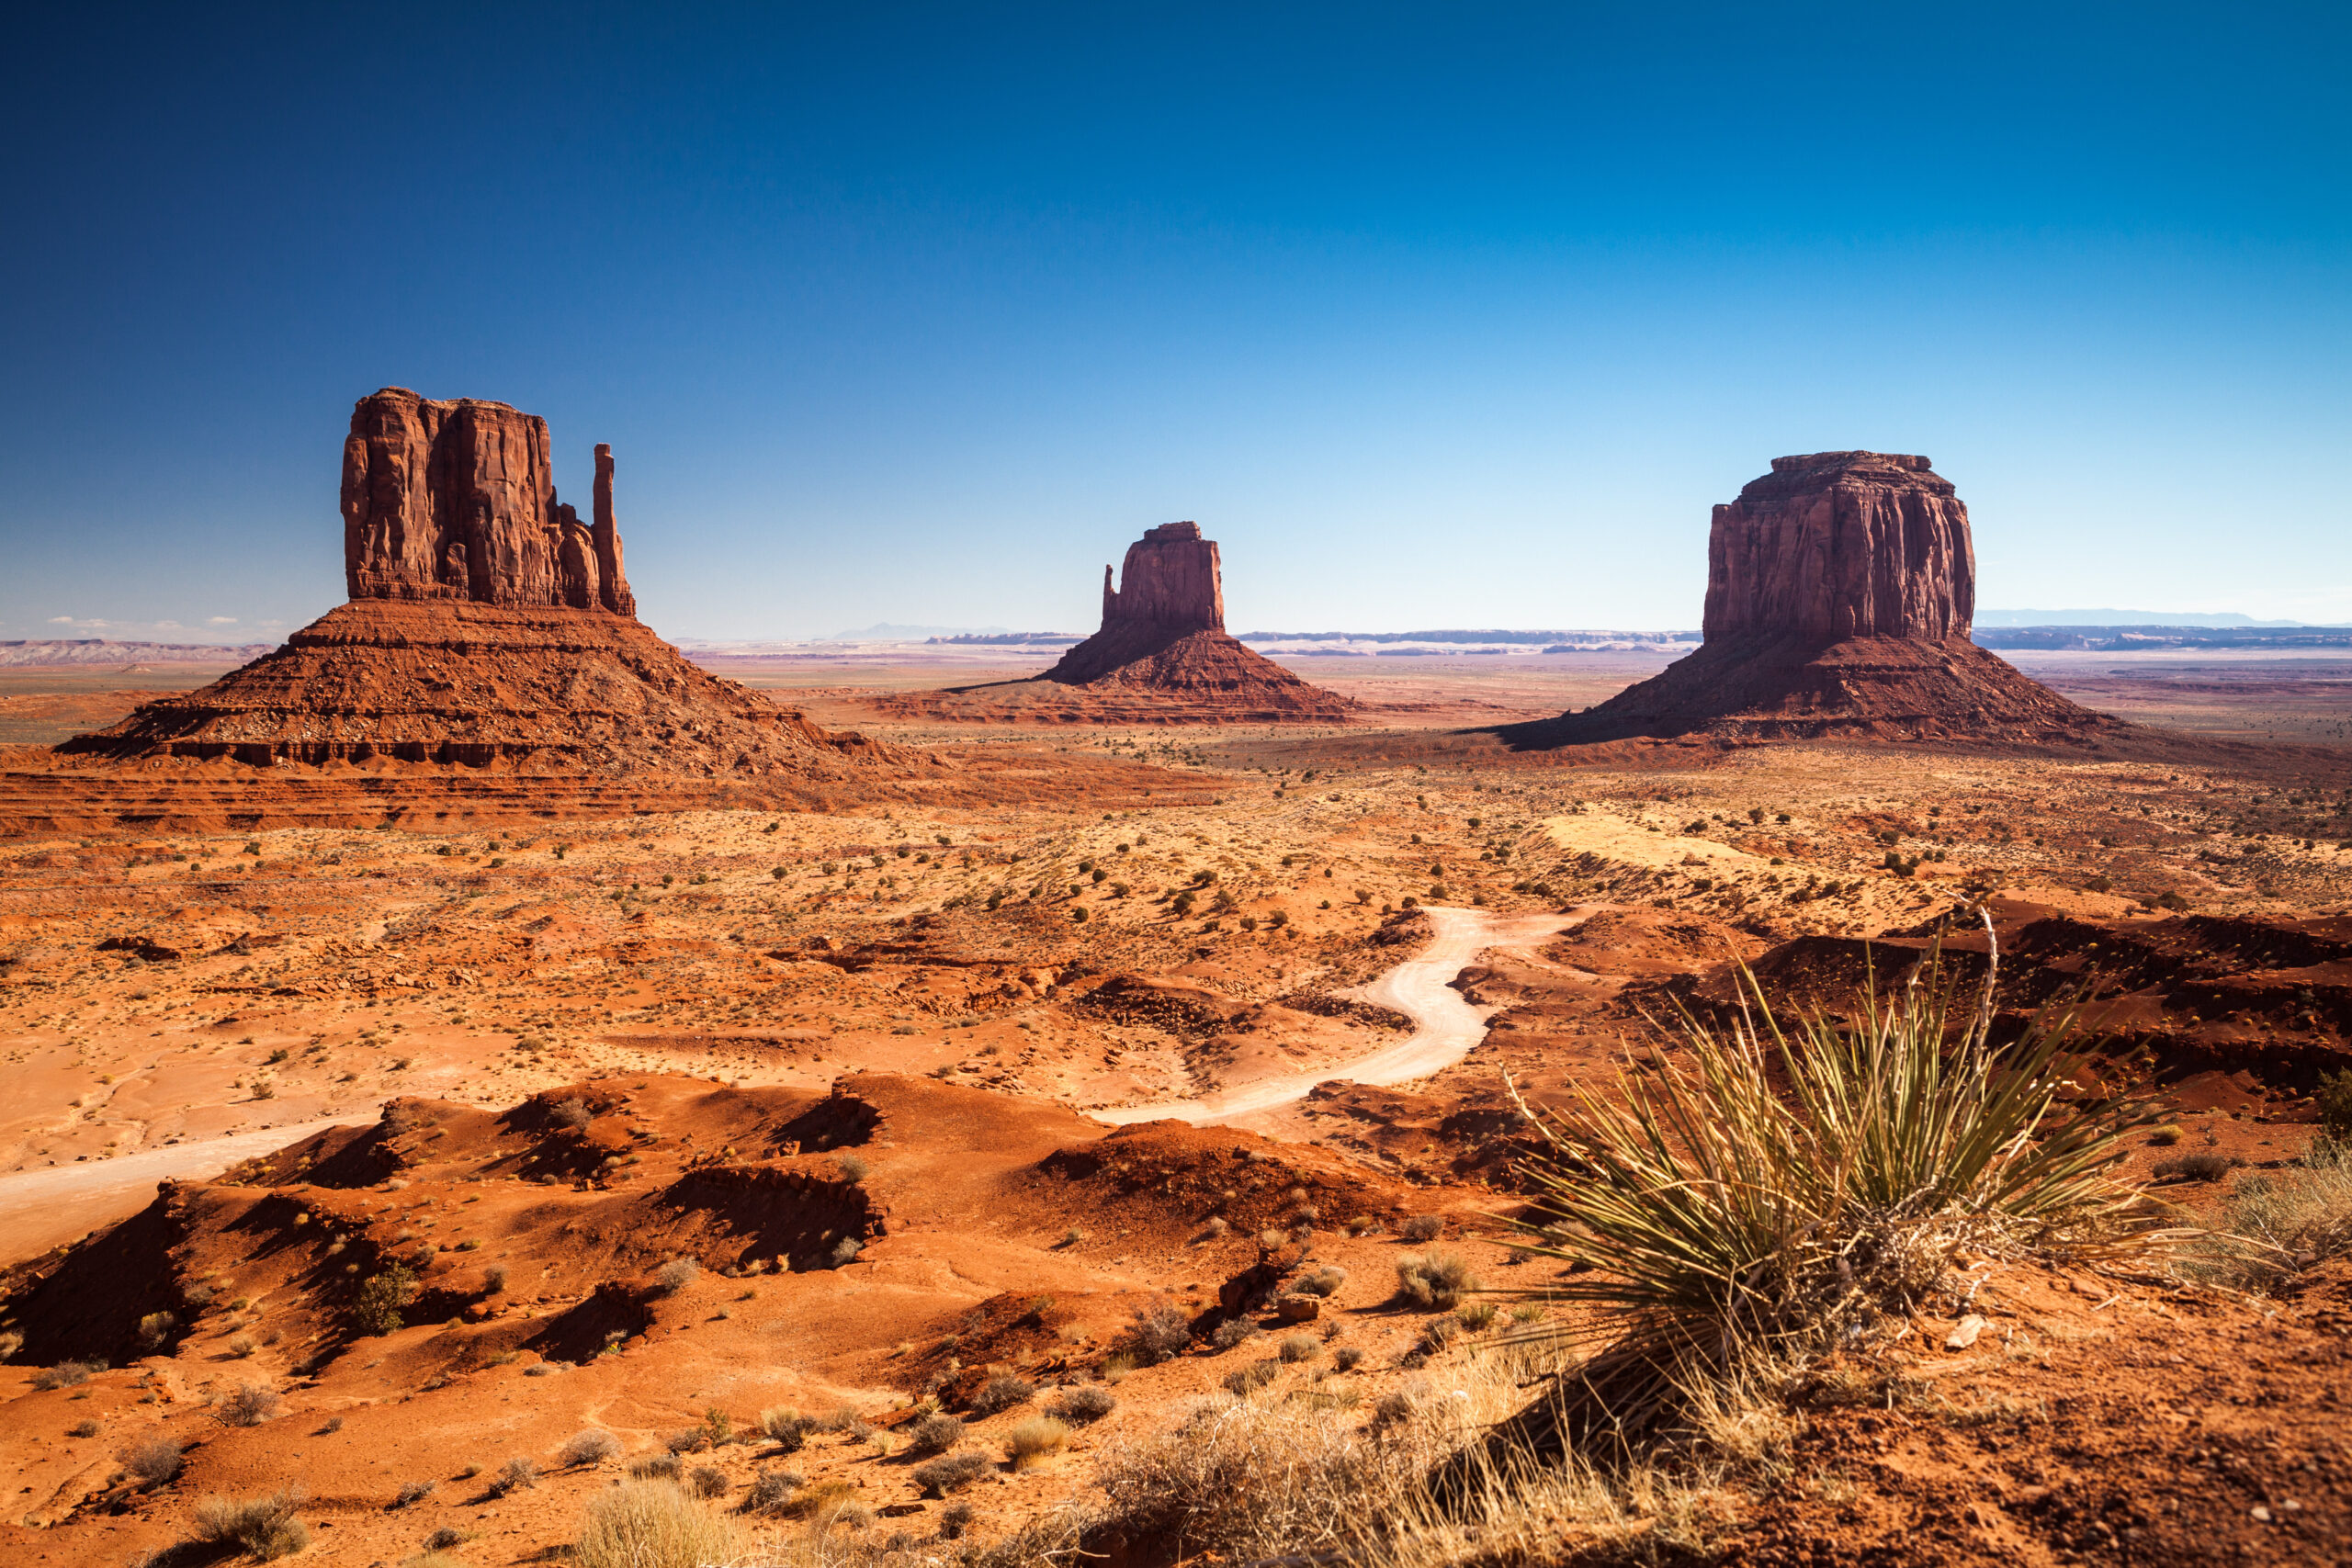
[(1435, 316)]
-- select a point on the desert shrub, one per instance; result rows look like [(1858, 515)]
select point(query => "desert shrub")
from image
[(1476, 1315), (1423, 1227), (263, 1527), (1435, 1279), (1039, 1437), (677, 1275), (1712, 1219), (691, 1439), (10, 1343), (570, 1114), (936, 1433), (955, 1520), (377, 1308), (242, 1344), (2276, 1225), (852, 1169), (593, 1446), (493, 1279), (2332, 1101), (653, 1524), (1363, 1224), (1232, 1331), (1157, 1331), (2205, 1165), (707, 1481), (655, 1467), (1077, 1406), (414, 1492), (787, 1429), (441, 1539), (2165, 1137), (1001, 1391), (1300, 1348), (156, 1327), (951, 1472), (67, 1374), (517, 1474), (250, 1405), (1249, 1380), (1324, 1281), (1347, 1358), (154, 1461), (772, 1491)]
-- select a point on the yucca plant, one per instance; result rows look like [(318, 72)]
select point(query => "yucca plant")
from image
[(1717, 1218)]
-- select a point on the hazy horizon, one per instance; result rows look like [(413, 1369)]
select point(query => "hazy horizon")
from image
[(1459, 317)]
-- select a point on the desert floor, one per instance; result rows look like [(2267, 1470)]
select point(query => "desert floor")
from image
[(1040, 1066)]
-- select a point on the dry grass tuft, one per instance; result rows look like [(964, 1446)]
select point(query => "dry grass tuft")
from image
[(653, 1524), (2275, 1224), (1033, 1440), (263, 1527)]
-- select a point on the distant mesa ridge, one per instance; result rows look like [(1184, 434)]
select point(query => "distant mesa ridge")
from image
[(1841, 591)]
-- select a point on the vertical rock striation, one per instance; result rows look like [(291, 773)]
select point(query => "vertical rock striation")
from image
[(1842, 544), (457, 501), (1171, 578)]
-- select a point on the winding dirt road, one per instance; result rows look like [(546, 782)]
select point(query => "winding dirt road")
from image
[(40, 1208), (1445, 1027)]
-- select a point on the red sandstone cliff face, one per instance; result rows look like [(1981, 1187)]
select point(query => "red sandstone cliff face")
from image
[(1171, 578), (1842, 544), (455, 500)]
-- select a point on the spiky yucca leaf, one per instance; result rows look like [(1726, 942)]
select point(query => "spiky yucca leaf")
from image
[(1710, 1217)]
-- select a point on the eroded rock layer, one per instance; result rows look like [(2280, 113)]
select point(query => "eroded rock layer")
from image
[(480, 684), (1840, 590)]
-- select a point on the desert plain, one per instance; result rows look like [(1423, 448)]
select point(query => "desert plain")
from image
[(486, 1089)]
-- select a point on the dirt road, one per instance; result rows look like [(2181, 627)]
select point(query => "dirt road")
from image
[(41, 1209), (1445, 1027)]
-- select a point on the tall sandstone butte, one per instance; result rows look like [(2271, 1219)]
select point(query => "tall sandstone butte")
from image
[(1163, 642), (488, 626), (457, 501), (1841, 588), (1843, 544)]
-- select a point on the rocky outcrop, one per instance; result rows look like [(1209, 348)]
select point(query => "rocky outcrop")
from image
[(1840, 590), (488, 628), (1842, 544), (457, 501), (1171, 578), (1163, 646)]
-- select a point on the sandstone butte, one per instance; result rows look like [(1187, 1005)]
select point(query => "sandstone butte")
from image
[(1161, 656), (488, 626), (1840, 590)]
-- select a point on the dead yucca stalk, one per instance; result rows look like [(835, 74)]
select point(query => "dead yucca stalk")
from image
[(1718, 1223)]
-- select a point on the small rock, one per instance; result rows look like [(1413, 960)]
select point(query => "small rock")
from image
[(2261, 1514), (1962, 1337)]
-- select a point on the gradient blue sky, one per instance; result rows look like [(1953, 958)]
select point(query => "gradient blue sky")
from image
[(1435, 316)]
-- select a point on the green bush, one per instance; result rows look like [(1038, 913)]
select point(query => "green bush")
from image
[(381, 1299)]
